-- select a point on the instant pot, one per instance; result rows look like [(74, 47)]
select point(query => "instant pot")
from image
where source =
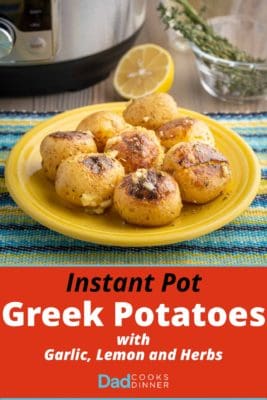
[(56, 45)]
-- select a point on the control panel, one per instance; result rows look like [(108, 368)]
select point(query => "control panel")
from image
[(26, 31)]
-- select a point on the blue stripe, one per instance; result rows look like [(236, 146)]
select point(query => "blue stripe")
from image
[(215, 115), (7, 227), (27, 114), (238, 116), (5, 148), (56, 248), (240, 234), (251, 135), (6, 200), (260, 201), (17, 130)]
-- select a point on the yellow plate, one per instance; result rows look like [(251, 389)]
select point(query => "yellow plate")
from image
[(37, 197)]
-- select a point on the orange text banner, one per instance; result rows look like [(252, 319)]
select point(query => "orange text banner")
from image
[(133, 332)]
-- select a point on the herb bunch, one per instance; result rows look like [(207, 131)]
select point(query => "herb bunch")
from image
[(231, 80)]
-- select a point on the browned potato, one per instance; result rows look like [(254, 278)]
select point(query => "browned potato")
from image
[(151, 111), (59, 145), (88, 180), (148, 198), (201, 171), (136, 148), (184, 130), (103, 125)]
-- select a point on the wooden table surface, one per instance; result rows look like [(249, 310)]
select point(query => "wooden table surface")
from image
[(186, 87)]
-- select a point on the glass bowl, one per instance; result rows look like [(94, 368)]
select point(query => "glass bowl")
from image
[(232, 80)]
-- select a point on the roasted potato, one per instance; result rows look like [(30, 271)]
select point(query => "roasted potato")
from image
[(151, 111), (103, 125), (184, 130), (59, 145), (136, 148), (88, 180), (148, 198), (201, 171)]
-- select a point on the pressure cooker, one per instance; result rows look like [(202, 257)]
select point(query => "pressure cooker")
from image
[(57, 45)]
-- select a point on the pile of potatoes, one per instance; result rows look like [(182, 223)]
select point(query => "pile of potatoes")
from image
[(146, 162)]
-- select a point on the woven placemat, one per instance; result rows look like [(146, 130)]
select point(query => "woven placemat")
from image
[(242, 242)]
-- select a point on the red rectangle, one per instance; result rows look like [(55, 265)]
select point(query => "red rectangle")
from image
[(190, 332)]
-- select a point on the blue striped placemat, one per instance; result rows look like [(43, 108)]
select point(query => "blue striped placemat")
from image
[(242, 242)]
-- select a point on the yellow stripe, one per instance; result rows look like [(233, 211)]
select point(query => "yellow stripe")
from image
[(263, 187), (257, 211), (4, 156), (201, 259), (11, 210), (246, 219), (19, 122), (248, 124)]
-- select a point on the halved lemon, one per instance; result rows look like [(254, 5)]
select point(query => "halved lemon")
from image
[(144, 69)]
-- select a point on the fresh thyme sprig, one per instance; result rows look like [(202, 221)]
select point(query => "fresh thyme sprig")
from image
[(184, 18), (194, 28)]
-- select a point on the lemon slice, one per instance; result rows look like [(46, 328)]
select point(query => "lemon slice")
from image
[(144, 69)]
